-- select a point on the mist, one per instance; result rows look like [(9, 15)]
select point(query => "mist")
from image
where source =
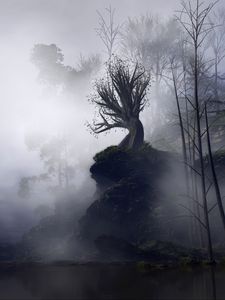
[(112, 149), (27, 109), (47, 110)]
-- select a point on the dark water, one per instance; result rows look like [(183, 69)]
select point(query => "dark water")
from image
[(109, 282)]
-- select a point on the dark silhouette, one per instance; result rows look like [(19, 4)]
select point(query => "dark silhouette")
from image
[(121, 98)]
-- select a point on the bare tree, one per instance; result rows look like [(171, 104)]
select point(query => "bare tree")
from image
[(121, 98), (216, 42), (214, 175), (108, 31), (176, 86), (147, 40), (137, 38), (194, 21)]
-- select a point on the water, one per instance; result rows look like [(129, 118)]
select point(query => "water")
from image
[(109, 282)]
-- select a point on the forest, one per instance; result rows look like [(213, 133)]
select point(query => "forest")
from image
[(130, 146)]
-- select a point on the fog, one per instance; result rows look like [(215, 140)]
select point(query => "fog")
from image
[(26, 108), (71, 26), (34, 112)]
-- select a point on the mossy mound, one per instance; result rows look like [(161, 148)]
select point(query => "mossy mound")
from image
[(127, 193), (113, 164)]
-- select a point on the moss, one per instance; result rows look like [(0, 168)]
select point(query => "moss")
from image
[(107, 153), (114, 164), (113, 152)]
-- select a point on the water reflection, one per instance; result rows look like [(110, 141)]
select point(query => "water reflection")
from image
[(109, 282)]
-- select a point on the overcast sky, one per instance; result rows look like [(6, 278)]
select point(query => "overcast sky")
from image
[(68, 23)]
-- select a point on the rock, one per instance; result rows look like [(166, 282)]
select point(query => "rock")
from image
[(127, 194)]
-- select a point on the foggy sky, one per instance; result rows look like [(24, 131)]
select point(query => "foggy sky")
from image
[(70, 24)]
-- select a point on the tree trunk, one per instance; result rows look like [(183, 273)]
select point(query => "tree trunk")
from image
[(214, 175), (135, 138), (200, 153), (216, 86)]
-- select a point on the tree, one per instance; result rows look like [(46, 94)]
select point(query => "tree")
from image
[(213, 170), (59, 170), (53, 72), (148, 40), (137, 39), (193, 19), (217, 46), (108, 31), (49, 61), (121, 98)]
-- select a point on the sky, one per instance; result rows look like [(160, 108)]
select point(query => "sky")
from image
[(70, 24)]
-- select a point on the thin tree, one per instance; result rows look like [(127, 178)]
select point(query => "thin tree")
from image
[(148, 40), (216, 42), (194, 21), (121, 97), (108, 31), (175, 79), (214, 175)]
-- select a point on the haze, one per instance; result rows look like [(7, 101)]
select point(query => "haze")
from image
[(26, 108)]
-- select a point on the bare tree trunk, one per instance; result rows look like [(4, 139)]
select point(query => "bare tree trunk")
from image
[(184, 148), (200, 151), (215, 180), (195, 190), (135, 138), (194, 178), (216, 95), (194, 21)]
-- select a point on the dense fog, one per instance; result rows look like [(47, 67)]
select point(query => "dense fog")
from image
[(30, 110), (47, 147)]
